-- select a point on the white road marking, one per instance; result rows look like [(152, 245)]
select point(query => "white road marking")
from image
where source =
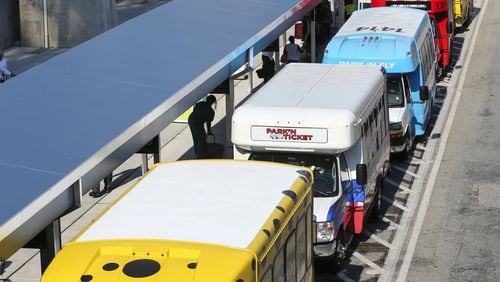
[(377, 269), (377, 239), (405, 171), (419, 162), (395, 184), (395, 203), (393, 255), (403, 272), (392, 223)]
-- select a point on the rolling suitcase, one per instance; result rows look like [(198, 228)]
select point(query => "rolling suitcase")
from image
[(214, 150), (299, 30)]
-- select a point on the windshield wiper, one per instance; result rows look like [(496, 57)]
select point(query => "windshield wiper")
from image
[(321, 192)]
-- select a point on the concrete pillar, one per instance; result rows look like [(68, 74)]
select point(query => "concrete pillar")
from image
[(64, 23), (9, 23), (341, 14), (31, 16)]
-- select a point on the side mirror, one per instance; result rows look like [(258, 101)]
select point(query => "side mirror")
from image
[(424, 93), (361, 174)]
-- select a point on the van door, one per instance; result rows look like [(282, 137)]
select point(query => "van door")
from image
[(409, 107), (346, 186)]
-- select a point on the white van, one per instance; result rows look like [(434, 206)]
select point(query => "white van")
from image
[(333, 119)]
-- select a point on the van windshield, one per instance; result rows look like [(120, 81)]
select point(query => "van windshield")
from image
[(324, 167), (395, 92)]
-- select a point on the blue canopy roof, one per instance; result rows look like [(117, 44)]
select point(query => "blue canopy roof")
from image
[(79, 115)]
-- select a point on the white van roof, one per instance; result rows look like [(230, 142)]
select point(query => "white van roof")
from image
[(222, 202), (320, 104), (384, 20)]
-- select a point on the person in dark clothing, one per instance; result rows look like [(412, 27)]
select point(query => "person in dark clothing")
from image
[(267, 65), (202, 113), (292, 50)]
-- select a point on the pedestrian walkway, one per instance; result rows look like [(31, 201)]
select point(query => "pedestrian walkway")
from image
[(176, 141)]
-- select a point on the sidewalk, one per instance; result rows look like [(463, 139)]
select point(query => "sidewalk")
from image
[(24, 266)]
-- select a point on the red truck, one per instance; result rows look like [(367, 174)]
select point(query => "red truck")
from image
[(441, 15)]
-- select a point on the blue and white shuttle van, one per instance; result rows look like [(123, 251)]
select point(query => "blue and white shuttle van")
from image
[(334, 120), (401, 40)]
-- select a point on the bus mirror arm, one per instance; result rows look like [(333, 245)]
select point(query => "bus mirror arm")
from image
[(361, 174), (424, 93)]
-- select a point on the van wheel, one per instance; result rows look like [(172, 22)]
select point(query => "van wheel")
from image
[(377, 202), (332, 264), (341, 247), (452, 42), (439, 73)]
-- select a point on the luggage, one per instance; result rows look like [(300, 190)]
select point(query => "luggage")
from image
[(214, 150), (299, 30)]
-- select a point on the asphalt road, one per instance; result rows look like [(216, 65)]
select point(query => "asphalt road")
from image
[(459, 236)]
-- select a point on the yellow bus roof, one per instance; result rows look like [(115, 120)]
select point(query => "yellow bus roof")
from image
[(150, 260)]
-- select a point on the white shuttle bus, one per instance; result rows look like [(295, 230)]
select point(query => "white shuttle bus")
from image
[(333, 119)]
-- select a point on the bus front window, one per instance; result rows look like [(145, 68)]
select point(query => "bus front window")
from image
[(324, 181), (395, 93), (324, 168)]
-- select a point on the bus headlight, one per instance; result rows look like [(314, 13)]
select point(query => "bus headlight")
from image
[(325, 231)]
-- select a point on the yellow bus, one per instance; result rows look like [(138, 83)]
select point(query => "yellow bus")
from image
[(463, 12), (203, 220)]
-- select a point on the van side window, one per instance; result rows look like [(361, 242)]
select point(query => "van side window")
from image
[(267, 277), (395, 92), (309, 235), (291, 267), (279, 266), (426, 56), (301, 248), (344, 172), (384, 118), (433, 29), (406, 86), (377, 128), (432, 48)]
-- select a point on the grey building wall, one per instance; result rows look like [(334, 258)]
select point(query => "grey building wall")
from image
[(31, 23), (9, 23), (69, 22)]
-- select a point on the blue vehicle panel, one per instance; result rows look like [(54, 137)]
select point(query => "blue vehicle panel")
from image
[(390, 37), (368, 49)]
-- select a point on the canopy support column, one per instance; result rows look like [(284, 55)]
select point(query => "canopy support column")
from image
[(152, 147)]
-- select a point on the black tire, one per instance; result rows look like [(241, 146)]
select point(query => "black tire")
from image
[(450, 51), (332, 264), (377, 202), (338, 258), (439, 73)]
